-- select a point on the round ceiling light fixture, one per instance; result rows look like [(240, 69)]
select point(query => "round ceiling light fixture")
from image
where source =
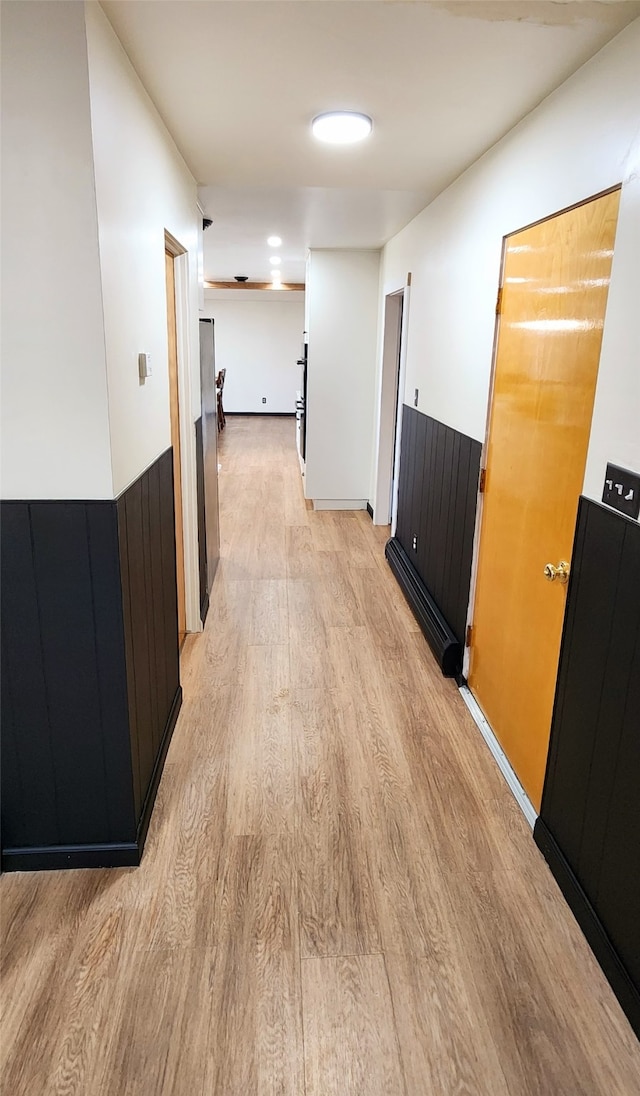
[(275, 260), (341, 127), (274, 241)]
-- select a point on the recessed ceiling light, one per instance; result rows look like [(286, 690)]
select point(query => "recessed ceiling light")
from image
[(275, 260), (276, 275), (274, 241), (341, 127)]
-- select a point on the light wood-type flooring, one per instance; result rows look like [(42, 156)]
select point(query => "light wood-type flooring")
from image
[(338, 894)]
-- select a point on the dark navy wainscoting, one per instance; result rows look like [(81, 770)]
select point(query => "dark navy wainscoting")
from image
[(202, 524), (149, 596), (437, 501), (90, 682), (589, 825)]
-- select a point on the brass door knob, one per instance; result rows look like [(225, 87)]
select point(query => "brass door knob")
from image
[(559, 573)]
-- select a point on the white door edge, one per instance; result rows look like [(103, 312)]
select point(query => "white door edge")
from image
[(518, 792)]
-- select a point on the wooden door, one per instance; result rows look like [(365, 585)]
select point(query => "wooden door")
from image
[(553, 299), (174, 404)]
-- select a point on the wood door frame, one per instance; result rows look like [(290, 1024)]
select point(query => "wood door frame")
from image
[(402, 377), (487, 732), (187, 433)]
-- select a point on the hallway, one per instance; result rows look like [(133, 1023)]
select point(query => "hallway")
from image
[(338, 893)]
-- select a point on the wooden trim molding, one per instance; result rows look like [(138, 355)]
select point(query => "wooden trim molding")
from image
[(290, 287)]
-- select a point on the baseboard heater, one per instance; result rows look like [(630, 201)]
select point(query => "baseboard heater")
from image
[(434, 627)]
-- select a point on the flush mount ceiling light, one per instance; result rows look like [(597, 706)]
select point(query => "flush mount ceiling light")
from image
[(341, 127), (274, 241)]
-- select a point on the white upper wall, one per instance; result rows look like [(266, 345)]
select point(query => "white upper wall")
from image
[(342, 291), (583, 139), (55, 430), (143, 187), (258, 342)]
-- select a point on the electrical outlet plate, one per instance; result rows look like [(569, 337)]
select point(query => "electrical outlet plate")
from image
[(622, 490)]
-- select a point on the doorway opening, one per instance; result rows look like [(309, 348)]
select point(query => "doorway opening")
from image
[(390, 406)]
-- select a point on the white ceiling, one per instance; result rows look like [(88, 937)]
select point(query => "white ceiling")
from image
[(237, 83)]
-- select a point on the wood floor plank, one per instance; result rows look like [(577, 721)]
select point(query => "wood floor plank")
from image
[(225, 640), (337, 600), (82, 1008), (255, 1039), (331, 839), (447, 1045), (338, 913), (529, 987), (261, 797), (166, 1001), (269, 621), (301, 556), (172, 910), (295, 513), (350, 1040), (387, 630), (310, 664)]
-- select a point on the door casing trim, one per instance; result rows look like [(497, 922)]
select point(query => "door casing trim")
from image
[(187, 435)]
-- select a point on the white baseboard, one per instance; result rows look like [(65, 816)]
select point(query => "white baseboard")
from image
[(518, 792), (339, 504)]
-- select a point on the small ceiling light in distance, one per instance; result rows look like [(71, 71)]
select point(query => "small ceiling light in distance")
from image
[(274, 241), (341, 127), (275, 260)]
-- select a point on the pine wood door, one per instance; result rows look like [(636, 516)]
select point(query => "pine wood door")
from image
[(174, 404), (553, 299)]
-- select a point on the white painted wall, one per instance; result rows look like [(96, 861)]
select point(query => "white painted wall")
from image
[(54, 424), (258, 342), (143, 187), (581, 140), (342, 291)]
